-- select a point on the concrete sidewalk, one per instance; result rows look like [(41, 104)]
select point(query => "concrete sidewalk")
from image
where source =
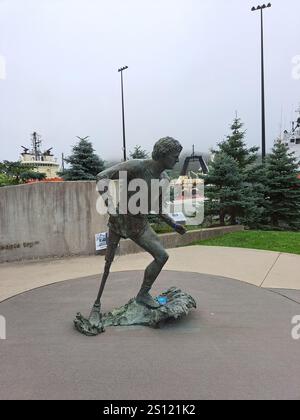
[(261, 268)]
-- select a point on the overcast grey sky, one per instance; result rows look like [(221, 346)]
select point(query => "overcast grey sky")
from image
[(192, 64)]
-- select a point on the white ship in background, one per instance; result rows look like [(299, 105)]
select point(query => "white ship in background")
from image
[(292, 138), (43, 162)]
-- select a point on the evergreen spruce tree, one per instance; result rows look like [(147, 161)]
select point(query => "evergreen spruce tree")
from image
[(223, 185), (254, 194), (235, 146), (85, 164), (236, 163), (138, 153), (283, 198)]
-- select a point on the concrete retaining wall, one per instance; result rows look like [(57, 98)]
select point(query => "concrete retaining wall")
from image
[(49, 219), (60, 219)]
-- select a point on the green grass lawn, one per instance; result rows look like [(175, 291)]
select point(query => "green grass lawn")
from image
[(255, 239)]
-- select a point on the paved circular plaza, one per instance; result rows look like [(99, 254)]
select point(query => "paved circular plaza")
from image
[(237, 344)]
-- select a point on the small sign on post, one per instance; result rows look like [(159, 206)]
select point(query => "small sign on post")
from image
[(178, 217), (101, 240)]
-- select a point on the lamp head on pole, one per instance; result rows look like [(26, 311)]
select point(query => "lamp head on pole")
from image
[(123, 68), (261, 7)]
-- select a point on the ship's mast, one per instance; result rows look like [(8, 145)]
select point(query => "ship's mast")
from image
[(36, 143)]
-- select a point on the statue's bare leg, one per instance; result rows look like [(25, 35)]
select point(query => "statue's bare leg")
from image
[(149, 241)]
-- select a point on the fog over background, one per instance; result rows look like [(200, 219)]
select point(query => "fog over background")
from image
[(192, 64)]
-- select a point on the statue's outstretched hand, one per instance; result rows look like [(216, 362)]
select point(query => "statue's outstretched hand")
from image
[(180, 229)]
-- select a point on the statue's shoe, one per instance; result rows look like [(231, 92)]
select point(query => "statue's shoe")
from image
[(147, 300)]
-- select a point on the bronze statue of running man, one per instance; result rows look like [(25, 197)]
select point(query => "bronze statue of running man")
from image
[(165, 155)]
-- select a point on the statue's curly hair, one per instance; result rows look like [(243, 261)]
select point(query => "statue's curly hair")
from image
[(164, 146)]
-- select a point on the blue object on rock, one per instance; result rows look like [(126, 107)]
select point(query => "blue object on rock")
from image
[(162, 300)]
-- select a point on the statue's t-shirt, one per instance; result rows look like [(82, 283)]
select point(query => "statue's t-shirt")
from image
[(133, 225)]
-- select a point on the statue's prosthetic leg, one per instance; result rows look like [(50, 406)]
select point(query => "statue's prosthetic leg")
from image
[(113, 242)]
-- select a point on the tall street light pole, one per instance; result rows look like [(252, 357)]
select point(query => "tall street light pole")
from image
[(123, 119), (263, 115)]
